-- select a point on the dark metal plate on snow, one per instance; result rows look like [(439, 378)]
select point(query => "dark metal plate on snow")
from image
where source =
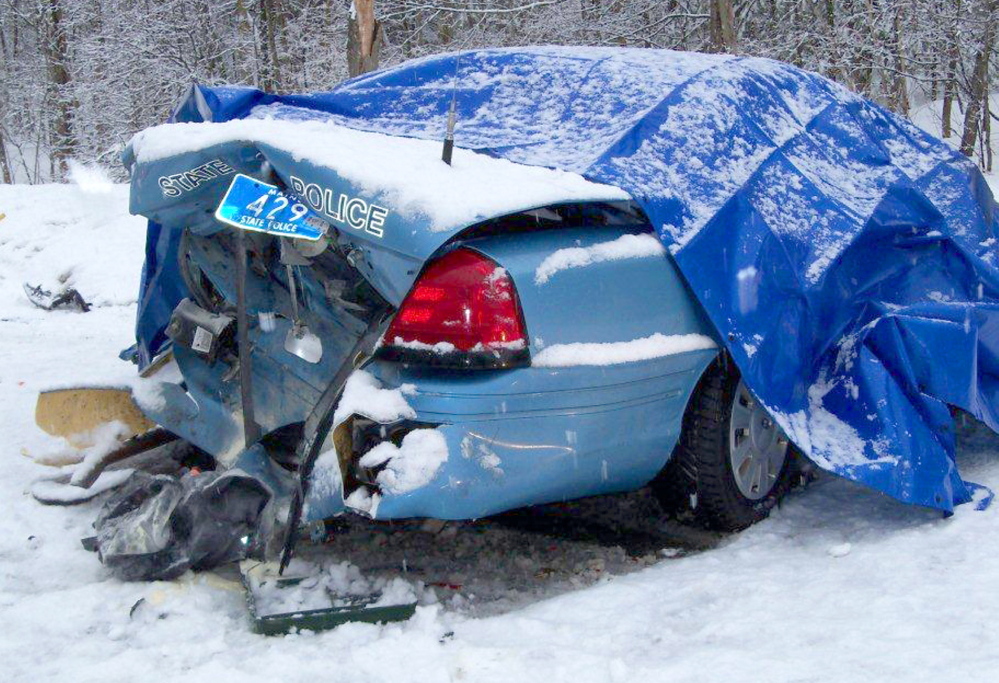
[(352, 610)]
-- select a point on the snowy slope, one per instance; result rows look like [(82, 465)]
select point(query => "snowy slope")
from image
[(929, 117), (839, 585)]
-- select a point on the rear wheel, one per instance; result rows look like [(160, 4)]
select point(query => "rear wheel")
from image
[(733, 463)]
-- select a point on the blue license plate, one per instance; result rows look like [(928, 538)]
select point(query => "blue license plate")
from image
[(250, 204)]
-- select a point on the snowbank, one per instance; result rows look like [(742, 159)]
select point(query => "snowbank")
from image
[(79, 236), (71, 236)]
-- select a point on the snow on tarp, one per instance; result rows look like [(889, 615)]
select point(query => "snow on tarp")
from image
[(847, 259)]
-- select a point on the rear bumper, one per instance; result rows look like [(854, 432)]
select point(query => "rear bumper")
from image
[(530, 436)]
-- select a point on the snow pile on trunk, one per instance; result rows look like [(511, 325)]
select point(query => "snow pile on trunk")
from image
[(407, 173), (612, 353), (624, 247)]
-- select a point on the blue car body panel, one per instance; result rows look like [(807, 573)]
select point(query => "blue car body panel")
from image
[(846, 259), (555, 434)]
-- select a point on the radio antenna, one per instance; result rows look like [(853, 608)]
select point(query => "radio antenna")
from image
[(451, 115)]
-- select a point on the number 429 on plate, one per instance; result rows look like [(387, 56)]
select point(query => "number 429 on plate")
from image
[(251, 204)]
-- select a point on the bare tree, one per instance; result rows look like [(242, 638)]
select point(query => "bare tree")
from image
[(56, 48), (364, 38), (978, 92), (723, 26), (272, 24), (5, 173), (952, 57)]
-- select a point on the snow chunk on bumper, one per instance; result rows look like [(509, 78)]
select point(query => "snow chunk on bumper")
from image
[(410, 465), (364, 395)]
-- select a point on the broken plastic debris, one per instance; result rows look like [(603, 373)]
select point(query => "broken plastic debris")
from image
[(44, 299), (158, 527)]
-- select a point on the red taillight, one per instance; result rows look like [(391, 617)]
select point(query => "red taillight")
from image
[(462, 311)]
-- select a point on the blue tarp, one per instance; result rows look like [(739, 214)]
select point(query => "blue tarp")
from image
[(847, 258)]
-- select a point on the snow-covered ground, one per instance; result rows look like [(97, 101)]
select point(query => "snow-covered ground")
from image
[(841, 584), (929, 117)]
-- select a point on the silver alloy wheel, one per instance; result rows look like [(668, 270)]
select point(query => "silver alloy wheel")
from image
[(757, 447)]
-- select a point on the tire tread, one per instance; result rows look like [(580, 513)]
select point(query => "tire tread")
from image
[(698, 482)]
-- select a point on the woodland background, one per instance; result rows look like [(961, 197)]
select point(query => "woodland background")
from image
[(79, 77)]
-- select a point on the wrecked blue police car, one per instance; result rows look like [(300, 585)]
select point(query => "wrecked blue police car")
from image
[(700, 271)]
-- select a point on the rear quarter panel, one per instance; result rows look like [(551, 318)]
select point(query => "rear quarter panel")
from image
[(560, 432), (605, 301)]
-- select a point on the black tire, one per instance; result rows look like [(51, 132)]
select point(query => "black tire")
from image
[(698, 482)]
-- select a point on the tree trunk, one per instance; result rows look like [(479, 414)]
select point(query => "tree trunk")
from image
[(987, 135), (979, 82), (271, 16), (950, 84), (364, 38), (723, 26), (57, 57), (247, 58), (899, 87), (5, 173)]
